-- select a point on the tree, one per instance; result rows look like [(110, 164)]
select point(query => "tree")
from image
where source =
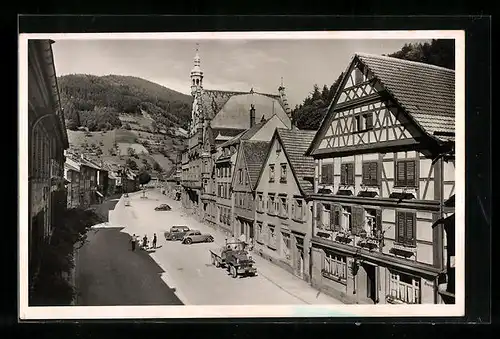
[(144, 179), (440, 52), (131, 164), (157, 167), (130, 151)]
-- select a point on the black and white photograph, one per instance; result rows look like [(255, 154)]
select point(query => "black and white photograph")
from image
[(277, 174)]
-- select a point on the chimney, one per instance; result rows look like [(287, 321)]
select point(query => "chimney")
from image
[(252, 115)]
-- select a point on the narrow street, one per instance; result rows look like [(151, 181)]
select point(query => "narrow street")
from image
[(184, 270)]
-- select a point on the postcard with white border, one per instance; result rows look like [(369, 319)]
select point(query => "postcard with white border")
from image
[(219, 175)]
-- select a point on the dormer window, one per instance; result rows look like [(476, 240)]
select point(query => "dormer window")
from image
[(278, 147)]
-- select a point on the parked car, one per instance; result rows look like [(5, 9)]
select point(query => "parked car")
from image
[(195, 236), (176, 233), (163, 207)]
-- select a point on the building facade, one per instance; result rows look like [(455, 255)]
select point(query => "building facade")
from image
[(249, 161), (47, 142), (384, 168), (217, 117), (282, 213)]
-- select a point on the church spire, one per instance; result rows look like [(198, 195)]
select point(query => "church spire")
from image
[(196, 73)]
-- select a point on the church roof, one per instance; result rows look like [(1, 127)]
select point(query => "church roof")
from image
[(230, 109)]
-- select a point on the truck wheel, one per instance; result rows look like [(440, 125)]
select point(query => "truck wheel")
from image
[(234, 272)]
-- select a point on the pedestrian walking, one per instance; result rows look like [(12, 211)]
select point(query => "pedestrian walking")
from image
[(145, 241), (154, 240), (133, 241)]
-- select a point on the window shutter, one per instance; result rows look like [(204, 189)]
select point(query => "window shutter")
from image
[(324, 174), (373, 173), (332, 217), (343, 174), (410, 173), (366, 173), (357, 219), (378, 221), (319, 210), (338, 211), (401, 221), (350, 173), (400, 173), (410, 228), (330, 173)]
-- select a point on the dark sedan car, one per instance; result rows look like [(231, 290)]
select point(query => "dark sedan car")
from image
[(163, 207), (176, 233)]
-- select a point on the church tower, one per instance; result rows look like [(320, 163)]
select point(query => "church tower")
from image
[(196, 75), (196, 125)]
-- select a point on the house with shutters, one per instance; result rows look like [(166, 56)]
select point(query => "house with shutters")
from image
[(217, 117), (251, 156), (282, 214), (222, 207), (384, 163)]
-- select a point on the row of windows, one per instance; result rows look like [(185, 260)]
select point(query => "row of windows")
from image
[(41, 155), (402, 287), (406, 173), (283, 173), (267, 235), (224, 172), (244, 200), (278, 205), (223, 190), (225, 215), (356, 220)]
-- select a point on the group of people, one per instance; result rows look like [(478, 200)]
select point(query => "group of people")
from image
[(143, 243)]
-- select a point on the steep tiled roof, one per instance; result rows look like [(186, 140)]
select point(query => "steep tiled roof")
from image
[(295, 143), (425, 91), (212, 101), (244, 135), (254, 153)]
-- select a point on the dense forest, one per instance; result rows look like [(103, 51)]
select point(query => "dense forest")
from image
[(95, 102), (310, 113)]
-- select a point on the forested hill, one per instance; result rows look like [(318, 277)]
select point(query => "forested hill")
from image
[(96, 102), (311, 112)]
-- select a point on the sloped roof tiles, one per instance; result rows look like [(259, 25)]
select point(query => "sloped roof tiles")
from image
[(254, 153), (426, 92), (295, 143)]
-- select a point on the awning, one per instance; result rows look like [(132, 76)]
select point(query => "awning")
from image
[(99, 194)]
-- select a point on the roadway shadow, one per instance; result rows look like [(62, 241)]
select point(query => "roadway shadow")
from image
[(109, 273)]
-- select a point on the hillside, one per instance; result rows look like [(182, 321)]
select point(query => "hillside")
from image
[(96, 102), (120, 117)]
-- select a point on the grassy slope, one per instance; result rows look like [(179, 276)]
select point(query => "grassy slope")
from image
[(140, 124)]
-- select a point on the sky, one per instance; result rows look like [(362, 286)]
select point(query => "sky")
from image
[(236, 65)]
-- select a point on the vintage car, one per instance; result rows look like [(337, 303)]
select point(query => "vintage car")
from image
[(235, 258), (176, 233), (194, 236), (163, 207)]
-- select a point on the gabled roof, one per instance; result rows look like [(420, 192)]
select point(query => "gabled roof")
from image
[(254, 153), (294, 144), (426, 92)]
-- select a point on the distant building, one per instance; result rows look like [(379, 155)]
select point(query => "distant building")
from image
[(47, 142)]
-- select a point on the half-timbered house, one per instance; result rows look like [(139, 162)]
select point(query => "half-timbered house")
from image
[(282, 214), (251, 156), (383, 173)]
